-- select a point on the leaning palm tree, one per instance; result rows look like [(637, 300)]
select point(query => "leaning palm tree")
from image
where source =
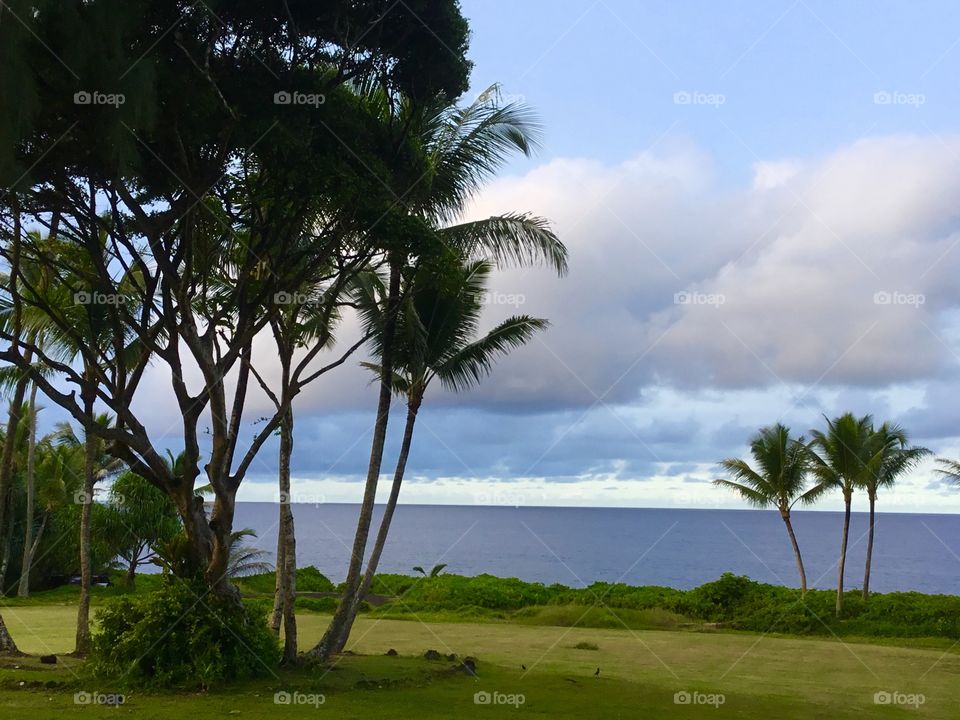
[(843, 458), (462, 148), (891, 457), (436, 340), (779, 480)]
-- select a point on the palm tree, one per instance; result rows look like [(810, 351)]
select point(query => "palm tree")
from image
[(779, 481), (29, 547), (436, 340), (434, 571), (98, 465), (949, 470), (843, 460), (246, 559), (462, 147), (891, 457)]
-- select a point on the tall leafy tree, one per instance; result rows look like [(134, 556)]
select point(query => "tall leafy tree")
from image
[(778, 478), (437, 340), (207, 169), (843, 459)]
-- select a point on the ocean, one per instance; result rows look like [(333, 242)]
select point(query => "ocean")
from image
[(674, 547)]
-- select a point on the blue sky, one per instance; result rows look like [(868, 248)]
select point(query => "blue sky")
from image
[(798, 77), (761, 205)]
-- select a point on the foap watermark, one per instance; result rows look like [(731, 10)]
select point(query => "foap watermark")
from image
[(498, 698), (501, 298), (301, 498), (896, 297), (98, 698), (87, 97), (696, 97), (499, 497), (688, 297), (85, 297), (298, 698), (895, 97), (895, 697), (299, 98), (298, 298), (695, 697)]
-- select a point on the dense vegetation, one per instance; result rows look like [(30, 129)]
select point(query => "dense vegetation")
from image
[(732, 602)]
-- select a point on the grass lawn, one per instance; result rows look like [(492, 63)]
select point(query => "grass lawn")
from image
[(640, 672)]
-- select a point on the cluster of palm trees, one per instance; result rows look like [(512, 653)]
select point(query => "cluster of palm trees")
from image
[(419, 307), (850, 454)]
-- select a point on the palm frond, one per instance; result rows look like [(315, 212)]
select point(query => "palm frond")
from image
[(510, 239)]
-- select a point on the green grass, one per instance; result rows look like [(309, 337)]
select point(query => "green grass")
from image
[(641, 670)]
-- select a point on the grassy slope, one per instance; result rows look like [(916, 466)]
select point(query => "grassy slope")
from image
[(640, 672)]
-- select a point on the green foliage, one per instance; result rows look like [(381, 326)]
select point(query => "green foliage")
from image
[(732, 601), (181, 635), (139, 518), (309, 579)]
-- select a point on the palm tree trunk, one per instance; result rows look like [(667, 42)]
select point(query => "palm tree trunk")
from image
[(7, 541), (866, 571), (9, 448), (847, 500), (83, 609), (334, 639), (785, 514), (24, 589), (381, 541), (276, 615), (288, 569)]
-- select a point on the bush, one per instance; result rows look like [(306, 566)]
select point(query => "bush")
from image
[(170, 638), (309, 579)]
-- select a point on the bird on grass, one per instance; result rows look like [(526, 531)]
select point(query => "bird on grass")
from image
[(597, 673)]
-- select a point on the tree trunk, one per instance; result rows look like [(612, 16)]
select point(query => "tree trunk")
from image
[(83, 608), (9, 448), (288, 584), (7, 541), (131, 578), (7, 645), (276, 616), (24, 589), (412, 409), (866, 571), (847, 500), (785, 514), (334, 638)]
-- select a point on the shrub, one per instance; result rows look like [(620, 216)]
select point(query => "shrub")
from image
[(309, 579), (181, 635)]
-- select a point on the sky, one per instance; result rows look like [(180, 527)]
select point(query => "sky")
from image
[(761, 205)]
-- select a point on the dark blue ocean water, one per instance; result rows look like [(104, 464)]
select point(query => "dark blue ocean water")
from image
[(677, 548)]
